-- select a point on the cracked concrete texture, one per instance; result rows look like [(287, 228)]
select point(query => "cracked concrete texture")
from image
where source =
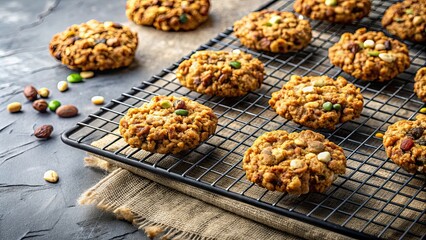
[(30, 207)]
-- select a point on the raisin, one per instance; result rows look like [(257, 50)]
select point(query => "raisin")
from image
[(388, 45), (407, 144), (416, 132), (354, 47)]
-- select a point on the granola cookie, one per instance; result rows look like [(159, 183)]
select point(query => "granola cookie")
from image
[(297, 163), (170, 15), (273, 31), (318, 102), (95, 46), (338, 11), (221, 73), (407, 20), (168, 124), (405, 144), (420, 84), (369, 55)]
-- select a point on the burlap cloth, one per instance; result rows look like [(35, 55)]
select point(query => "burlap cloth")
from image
[(168, 209)]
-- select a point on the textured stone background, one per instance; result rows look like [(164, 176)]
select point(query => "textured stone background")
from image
[(30, 207)]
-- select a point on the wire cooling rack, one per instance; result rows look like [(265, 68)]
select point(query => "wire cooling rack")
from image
[(374, 199)]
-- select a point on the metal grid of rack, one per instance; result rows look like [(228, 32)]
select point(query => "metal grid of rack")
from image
[(374, 199)]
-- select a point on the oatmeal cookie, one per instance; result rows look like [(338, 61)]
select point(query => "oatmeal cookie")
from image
[(221, 73), (296, 163), (318, 102), (95, 46), (168, 124), (405, 144), (369, 55), (171, 15), (273, 31), (407, 20), (338, 11), (420, 84)]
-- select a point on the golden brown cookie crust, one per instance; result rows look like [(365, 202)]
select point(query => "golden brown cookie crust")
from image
[(340, 11), (318, 101), (157, 127), (170, 15), (296, 162), (407, 20), (95, 45), (420, 84), (405, 144), (381, 61), (273, 31), (221, 73)]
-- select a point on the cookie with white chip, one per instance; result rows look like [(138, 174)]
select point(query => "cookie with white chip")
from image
[(95, 45), (405, 144), (296, 163), (221, 73), (273, 31), (407, 20), (168, 124), (170, 15), (338, 11), (318, 101), (370, 56)]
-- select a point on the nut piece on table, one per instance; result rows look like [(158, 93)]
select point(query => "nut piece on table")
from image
[(87, 74), (67, 111), (40, 105), (30, 92), (62, 86), (43, 92), (51, 176), (14, 107), (98, 100), (43, 131)]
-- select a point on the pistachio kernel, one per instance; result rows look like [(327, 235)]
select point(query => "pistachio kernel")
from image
[(183, 18), (327, 106), (331, 2), (181, 112), (235, 64), (337, 107), (165, 104), (373, 53), (74, 78)]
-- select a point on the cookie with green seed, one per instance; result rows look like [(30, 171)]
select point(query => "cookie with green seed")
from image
[(405, 144), (296, 163), (318, 101), (370, 56), (273, 31), (407, 20), (170, 15), (338, 11), (95, 45), (168, 124), (221, 73)]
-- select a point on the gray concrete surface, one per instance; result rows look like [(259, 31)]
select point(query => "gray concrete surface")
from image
[(30, 207)]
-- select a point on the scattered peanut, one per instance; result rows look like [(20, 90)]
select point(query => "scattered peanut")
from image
[(62, 86), (43, 92), (14, 107), (87, 74), (51, 176), (380, 46), (387, 57), (40, 105), (379, 135), (98, 100)]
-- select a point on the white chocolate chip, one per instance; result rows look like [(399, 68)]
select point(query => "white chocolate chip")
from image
[(387, 57), (310, 155), (51, 176), (369, 43), (108, 24), (301, 17), (299, 142), (319, 83), (236, 51), (380, 46), (324, 157), (308, 89), (275, 19), (296, 163)]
